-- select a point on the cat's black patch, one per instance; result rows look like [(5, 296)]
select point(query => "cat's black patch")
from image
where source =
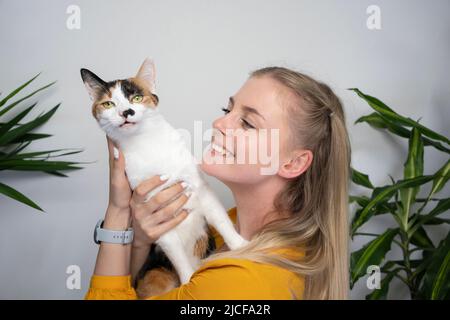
[(99, 86), (111, 84), (130, 89)]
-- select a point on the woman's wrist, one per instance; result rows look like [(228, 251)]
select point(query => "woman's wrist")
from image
[(140, 245), (117, 218)]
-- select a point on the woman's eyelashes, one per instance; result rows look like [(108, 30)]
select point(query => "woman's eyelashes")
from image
[(245, 123)]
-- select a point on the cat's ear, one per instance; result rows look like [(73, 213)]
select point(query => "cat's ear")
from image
[(94, 85), (147, 74)]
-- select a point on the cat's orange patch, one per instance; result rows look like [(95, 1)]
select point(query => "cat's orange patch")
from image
[(97, 106), (157, 282), (201, 246)]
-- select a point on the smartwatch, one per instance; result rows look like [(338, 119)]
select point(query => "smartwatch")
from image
[(112, 236)]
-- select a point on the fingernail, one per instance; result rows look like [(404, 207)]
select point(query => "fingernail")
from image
[(188, 193), (116, 153), (164, 177), (184, 184)]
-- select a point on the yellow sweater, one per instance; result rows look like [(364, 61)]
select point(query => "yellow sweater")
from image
[(224, 279)]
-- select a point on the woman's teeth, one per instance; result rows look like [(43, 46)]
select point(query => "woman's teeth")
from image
[(221, 150)]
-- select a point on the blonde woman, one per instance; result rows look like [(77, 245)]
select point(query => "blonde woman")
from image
[(296, 219)]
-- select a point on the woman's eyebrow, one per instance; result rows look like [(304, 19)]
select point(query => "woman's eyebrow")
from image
[(247, 108)]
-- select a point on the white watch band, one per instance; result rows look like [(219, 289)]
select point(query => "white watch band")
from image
[(112, 236)]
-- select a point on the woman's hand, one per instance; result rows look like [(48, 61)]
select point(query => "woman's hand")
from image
[(159, 214), (119, 187), (118, 214)]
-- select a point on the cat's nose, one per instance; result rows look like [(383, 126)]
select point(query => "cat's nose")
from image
[(128, 112)]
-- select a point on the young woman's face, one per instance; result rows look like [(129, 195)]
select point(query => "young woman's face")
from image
[(253, 132)]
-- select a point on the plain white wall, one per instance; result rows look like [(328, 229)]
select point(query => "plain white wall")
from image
[(204, 51)]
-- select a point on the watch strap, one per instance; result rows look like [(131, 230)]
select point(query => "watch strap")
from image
[(112, 236)]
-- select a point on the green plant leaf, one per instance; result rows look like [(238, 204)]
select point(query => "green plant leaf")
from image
[(375, 120), (30, 137), (4, 128), (39, 153), (21, 130), (381, 208), (37, 165), (436, 221), (390, 114), (420, 268), (381, 294), (383, 194), (16, 91), (361, 178), (12, 105), (16, 195), (56, 173), (436, 281), (442, 206), (370, 254), (413, 167), (421, 239), (441, 179)]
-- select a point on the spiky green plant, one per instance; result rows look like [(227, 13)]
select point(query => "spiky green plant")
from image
[(426, 276), (15, 137)]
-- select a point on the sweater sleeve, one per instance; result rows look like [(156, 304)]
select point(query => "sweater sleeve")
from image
[(222, 279), (111, 288)]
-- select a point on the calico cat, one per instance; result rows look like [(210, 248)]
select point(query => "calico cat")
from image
[(127, 110)]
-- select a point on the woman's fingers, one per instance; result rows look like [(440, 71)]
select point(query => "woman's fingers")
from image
[(162, 228), (161, 213), (162, 197), (171, 210), (145, 187)]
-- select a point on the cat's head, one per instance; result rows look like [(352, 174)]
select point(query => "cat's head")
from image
[(120, 106)]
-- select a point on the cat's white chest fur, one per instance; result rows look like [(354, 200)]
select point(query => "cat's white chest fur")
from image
[(159, 149)]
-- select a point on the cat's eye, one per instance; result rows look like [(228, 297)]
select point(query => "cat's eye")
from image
[(137, 99), (108, 104)]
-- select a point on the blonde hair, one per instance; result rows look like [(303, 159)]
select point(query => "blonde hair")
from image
[(317, 200)]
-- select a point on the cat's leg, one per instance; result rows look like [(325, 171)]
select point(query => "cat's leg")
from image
[(217, 216), (173, 247)]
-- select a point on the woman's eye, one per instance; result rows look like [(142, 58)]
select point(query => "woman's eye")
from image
[(247, 125), (108, 104), (137, 98)]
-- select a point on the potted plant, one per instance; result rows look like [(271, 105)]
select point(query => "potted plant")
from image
[(16, 136), (424, 267)]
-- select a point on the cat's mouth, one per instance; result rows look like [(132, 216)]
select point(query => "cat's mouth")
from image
[(127, 124)]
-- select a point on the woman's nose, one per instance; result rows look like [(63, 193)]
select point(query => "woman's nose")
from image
[(224, 122)]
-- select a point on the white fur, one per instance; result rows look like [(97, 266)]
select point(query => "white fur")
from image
[(154, 147)]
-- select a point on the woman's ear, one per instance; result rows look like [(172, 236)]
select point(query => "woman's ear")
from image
[(298, 163)]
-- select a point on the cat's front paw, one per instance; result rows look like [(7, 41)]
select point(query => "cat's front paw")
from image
[(237, 243)]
